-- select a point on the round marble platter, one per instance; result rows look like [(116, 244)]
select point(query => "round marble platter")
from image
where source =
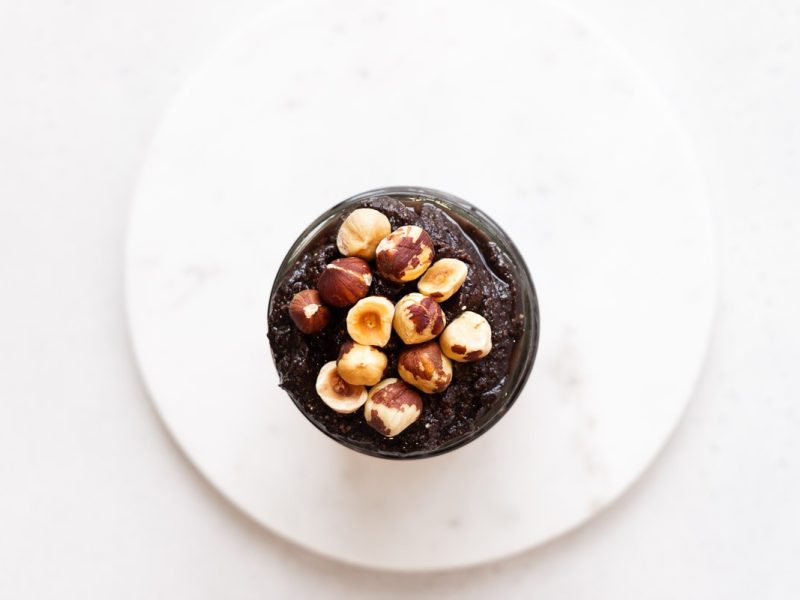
[(515, 106)]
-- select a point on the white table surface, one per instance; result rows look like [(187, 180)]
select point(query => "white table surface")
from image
[(96, 501)]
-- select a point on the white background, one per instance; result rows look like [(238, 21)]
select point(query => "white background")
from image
[(96, 502)]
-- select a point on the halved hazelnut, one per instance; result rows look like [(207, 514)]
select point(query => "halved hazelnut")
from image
[(425, 367), (361, 231), (418, 318), (308, 312), (344, 281), (361, 365), (404, 254), (467, 338), (369, 322), (443, 279), (337, 393), (391, 407)]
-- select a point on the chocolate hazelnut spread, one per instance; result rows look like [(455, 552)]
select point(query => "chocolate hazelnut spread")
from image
[(490, 289)]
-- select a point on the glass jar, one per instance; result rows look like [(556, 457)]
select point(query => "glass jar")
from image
[(469, 218)]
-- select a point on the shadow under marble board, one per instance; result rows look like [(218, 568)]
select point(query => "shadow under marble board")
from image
[(515, 106)]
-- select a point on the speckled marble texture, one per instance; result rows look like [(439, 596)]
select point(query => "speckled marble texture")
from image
[(522, 111)]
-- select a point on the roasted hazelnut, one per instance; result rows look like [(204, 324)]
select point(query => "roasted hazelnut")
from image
[(308, 312), (369, 322), (418, 318), (339, 395), (404, 254), (344, 281), (361, 231), (443, 279), (467, 338), (425, 367), (361, 365), (391, 407)]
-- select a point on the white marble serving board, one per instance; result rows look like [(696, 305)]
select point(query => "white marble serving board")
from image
[(518, 108)]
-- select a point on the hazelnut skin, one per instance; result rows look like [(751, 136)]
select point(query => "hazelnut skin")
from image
[(391, 407), (425, 367), (308, 312), (404, 254), (344, 281), (418, 318)]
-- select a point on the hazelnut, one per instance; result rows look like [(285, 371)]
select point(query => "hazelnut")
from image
[(418, 318), (337, 393), (361, 231), (308, 313), (391, 407), (425, 367), (404, 254), (369, 322), (344, 281), (361, 365), (443, 279), (467, 338)]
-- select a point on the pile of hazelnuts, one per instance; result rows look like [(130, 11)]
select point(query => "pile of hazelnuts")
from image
[(403, 255)]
